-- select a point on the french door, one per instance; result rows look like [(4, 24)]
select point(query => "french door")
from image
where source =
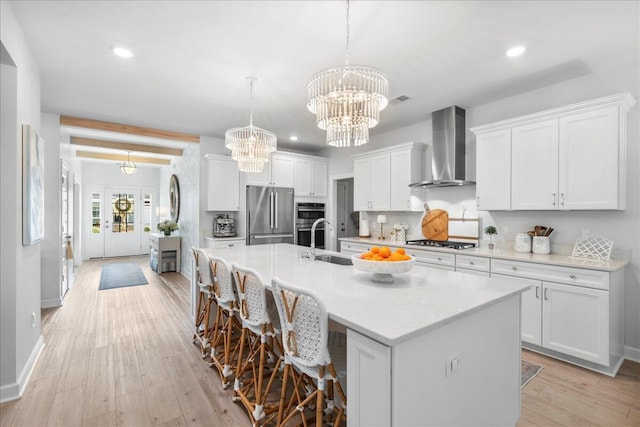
[(120, 222)]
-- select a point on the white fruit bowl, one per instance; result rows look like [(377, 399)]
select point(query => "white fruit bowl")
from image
[(383, 271)]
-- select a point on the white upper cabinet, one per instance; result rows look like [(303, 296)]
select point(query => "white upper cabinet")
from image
[(569, 158), (310, 177), (278, 172), (493, 170), (223, 184), (591, 172), (382, 177), (407, 167), (534, 170)]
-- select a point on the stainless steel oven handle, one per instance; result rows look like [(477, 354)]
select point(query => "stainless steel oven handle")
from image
[(311, 210), (308, 229), (272, 236), (276, 211)]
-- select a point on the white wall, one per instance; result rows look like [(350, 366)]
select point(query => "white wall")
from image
[(187, 169), (20, 342), (623, 227)]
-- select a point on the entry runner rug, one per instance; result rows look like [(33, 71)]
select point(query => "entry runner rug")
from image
[(120, 275), (527, 372)]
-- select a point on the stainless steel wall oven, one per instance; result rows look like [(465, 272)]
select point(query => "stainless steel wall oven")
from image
[(306, 214)]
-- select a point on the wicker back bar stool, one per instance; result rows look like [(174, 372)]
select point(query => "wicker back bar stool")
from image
[(224, 346), (260, 352), (204, 331), (313, 352)]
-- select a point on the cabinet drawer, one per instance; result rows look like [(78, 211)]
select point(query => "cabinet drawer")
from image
[(473, 263), (476, 272), (355, 248), (438, 258), (229, 244), (551, 273)]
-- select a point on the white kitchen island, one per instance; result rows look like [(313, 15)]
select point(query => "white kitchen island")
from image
[(433, 348)]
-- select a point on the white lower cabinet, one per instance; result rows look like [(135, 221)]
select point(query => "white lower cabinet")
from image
[(441, 260), (571, 312), (575, 321), (226, 242)]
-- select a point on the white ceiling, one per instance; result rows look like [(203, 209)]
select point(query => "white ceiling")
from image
[(192, 57)]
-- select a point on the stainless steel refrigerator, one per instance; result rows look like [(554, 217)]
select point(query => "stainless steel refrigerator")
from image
[(269, 215)]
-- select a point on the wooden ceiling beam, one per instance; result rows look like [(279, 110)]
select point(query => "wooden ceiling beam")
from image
[(121, 158), (133, 130), (116, 145)]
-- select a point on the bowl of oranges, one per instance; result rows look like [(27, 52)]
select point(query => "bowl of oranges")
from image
[(383, 262)]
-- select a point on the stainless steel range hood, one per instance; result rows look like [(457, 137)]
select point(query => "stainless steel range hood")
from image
[(448, 149)]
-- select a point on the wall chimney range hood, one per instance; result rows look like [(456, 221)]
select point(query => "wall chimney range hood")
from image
[(448, 149)]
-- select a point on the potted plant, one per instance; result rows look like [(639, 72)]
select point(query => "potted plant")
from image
[(168, 226), (490, 230)]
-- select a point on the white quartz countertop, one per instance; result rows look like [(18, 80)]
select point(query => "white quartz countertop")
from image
[(417, 301), (224, 238), (550, 259)]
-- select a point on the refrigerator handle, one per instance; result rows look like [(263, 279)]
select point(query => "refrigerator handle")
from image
[(276, 211), (271, 209)]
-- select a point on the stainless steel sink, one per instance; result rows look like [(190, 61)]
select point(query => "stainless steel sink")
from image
[(333, 259)]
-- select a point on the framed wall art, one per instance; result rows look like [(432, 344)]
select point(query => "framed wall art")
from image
[(32, 186)]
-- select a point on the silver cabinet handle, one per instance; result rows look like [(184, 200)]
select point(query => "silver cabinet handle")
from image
[(545, 293), (553, 199), (514, 268), (408, 204), (276, 211), (439, 258), (537, 292), (572, 276), (231, 245), (471, 263), (478, 201), (562, 199)]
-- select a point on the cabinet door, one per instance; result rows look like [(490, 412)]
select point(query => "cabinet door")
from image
[(406, 167), (361, 184), (319, 179), (259, 178), (534, 166), (302, 170), (576, 321), (282, 170), (493, 170), (531, 317), (223, 185), (380, 182), (589, 149)]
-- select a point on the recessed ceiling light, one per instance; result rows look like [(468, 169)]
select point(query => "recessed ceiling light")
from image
[(122, 52), (516, 51), (293, 138)]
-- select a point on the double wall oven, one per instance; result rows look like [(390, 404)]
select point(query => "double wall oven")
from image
[(306, 214)]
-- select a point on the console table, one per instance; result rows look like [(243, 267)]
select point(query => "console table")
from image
[(164, 253)]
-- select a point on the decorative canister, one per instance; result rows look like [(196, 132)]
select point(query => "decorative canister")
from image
[(522, 243), (541, 245)]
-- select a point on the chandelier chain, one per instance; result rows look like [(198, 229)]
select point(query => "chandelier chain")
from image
[(346, 56), (251, 102)]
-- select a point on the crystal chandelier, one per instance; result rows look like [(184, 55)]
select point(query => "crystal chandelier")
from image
[(250, 146), (128, 167), (347, 100)]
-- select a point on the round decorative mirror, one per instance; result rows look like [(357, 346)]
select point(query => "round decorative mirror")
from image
[(174, 197)]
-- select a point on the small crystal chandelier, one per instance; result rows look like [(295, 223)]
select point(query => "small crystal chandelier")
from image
[(128, 167), (250, 146), (347, 100)]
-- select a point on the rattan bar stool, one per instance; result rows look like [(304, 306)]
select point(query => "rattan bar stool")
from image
[(224, 346), (311, 351), (204, 331), (260, 353)]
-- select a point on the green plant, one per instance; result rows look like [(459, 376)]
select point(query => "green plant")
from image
[(167, 226), (490, 230), (147, 229)]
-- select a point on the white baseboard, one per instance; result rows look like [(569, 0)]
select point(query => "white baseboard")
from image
[(51, 302), (14, 391), (632, 353)]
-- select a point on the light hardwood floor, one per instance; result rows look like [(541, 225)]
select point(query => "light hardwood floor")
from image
[(125, 357)]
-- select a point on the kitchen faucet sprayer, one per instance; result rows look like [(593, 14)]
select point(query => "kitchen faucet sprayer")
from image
[(313, 234)]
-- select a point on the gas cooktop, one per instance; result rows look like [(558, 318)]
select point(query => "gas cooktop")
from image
[(441, 244)]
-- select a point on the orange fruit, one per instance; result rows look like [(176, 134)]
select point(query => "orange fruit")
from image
[(374, 250), (400, 251), (384, 251)]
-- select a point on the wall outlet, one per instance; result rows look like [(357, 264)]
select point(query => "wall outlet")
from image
[(452, 365)]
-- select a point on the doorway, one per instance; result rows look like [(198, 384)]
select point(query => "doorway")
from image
[(119, 221), (340, 209)]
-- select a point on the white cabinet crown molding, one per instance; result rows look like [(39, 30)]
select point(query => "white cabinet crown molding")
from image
[(388, 149), (625, 100)]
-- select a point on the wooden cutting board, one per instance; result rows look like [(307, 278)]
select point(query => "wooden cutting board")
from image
[(435, 224)]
